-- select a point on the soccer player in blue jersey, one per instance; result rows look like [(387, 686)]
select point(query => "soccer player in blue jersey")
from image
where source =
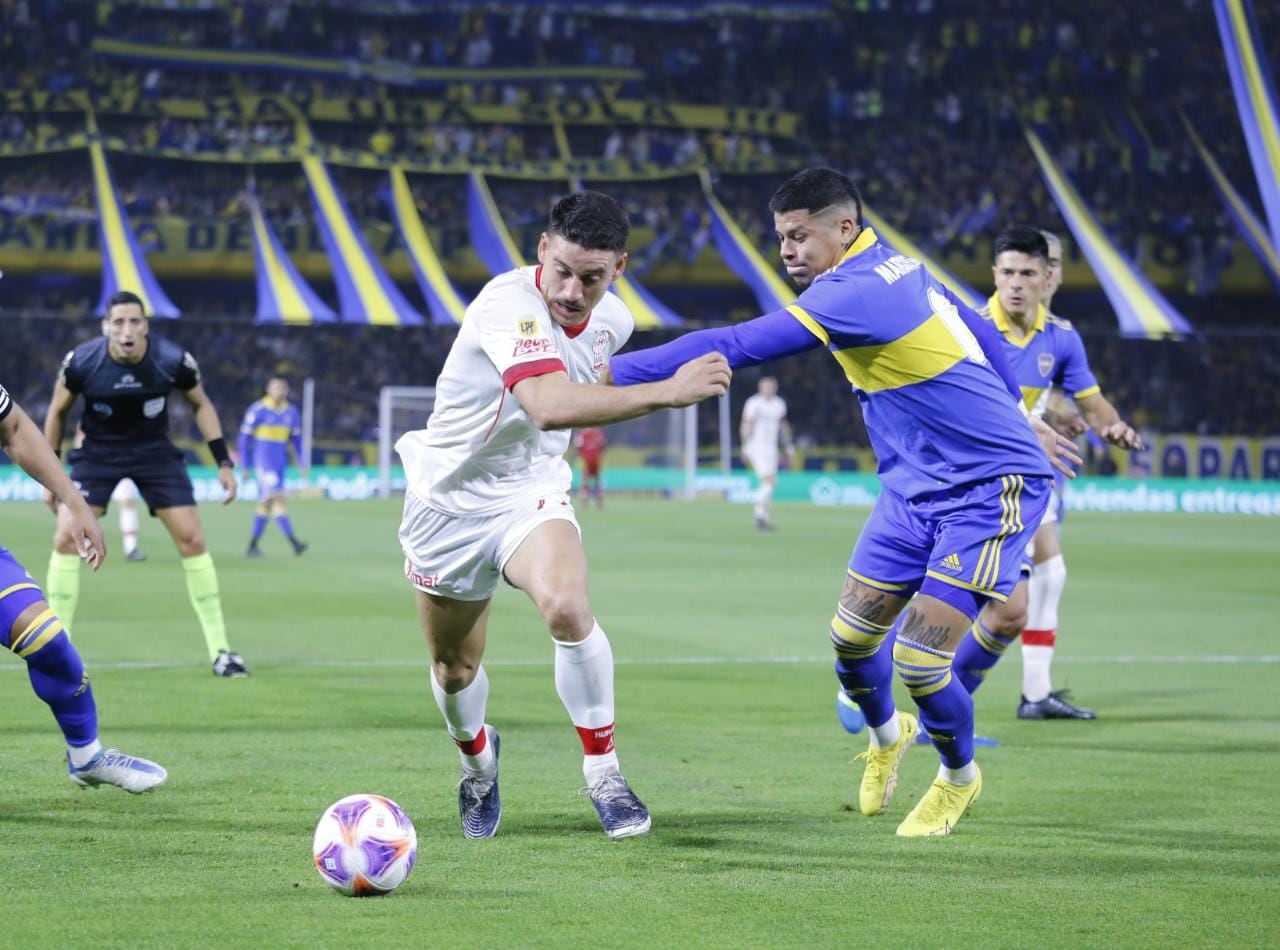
[(270, 426), (1044, 351), (964, 472), (32, 631)]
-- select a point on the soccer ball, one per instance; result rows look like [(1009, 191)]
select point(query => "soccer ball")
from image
[(364, 845)]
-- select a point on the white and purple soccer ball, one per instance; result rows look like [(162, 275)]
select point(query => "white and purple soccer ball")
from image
[(364, 845)]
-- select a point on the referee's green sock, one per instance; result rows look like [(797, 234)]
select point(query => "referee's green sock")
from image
[(202, 587), (63, 586)]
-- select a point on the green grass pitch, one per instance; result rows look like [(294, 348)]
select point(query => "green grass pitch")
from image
[(1157, 825)]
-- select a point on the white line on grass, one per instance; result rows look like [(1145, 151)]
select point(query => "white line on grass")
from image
[(1136, 659)]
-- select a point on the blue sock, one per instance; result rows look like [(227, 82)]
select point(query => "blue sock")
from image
[(259, 526), (977, 653), (286, 526), (863, 664), (58, 677), (946, 708)]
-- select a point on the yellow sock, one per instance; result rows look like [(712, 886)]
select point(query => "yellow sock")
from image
[(202, 587), (63, 586)]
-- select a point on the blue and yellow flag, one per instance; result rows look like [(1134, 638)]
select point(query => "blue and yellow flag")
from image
[(771, 291), (443, 302), (1255, 93), (1251, 228), (365, 293), (123, 266), (283, 295), (647, 310), (490, 238), (904, 245), (1140, 308)]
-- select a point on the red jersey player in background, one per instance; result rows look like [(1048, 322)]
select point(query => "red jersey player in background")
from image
[(590, 444)]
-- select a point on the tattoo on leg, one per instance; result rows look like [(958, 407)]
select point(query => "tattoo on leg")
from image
[(871, 606), (914, 627)]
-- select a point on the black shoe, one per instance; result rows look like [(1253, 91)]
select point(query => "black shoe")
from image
[(135, 555), (1053, 706), (300, 547), (229, 665), (254, 551), (762, 524)]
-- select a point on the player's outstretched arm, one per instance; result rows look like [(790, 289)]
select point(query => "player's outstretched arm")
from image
[(25, 444), (553, 401), (211, 429), (774, 336), (1103, 419)]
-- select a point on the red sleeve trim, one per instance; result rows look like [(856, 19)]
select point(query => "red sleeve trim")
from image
[(528, 370)]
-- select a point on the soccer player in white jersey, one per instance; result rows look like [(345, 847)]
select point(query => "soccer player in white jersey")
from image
[(125, 496), (764, 421), (488, 492)]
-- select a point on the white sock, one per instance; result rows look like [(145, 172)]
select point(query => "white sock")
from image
[(965, 775), (1044, 594), (463, 713), (886, 735), (584, 681), (129, 529), (1036, 662), (764, 500), (81, 756)]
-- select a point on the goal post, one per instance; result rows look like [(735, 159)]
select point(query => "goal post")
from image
[(401, 409)]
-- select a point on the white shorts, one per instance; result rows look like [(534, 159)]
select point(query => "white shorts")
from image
[(462, 558), (764, 460), (125, 490)]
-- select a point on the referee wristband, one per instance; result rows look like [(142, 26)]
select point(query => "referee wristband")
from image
[(219, 449)]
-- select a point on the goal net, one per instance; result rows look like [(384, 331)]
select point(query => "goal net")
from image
[(401, 409)]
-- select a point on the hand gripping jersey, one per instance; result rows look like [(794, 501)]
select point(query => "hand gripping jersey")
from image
[(1052, 354), (127, 403), (480, 451)]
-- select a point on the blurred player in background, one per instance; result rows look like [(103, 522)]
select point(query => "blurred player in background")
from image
[(125, 377), (965, 473), (590, 444), (1045, 351), (32, 631), (269, 427), (488, 493), (764, 422)]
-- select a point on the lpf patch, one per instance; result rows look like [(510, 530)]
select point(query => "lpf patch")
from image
[(1044, 362), (528, 328)]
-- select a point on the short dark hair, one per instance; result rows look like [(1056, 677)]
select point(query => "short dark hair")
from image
[(592, 220), (1024, 239), (814, 190), (124, 296)]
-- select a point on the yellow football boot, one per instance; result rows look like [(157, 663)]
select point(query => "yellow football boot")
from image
[(941, 808), (881, 776)]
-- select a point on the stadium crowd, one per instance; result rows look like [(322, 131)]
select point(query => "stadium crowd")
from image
[(923, 102)]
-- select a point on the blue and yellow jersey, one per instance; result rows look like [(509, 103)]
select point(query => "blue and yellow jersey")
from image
[(266, 432), (939, 417), (1052, 354)]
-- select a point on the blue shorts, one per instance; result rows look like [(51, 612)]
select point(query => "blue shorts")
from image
[(270, 480), (18, 591), (972, 537)]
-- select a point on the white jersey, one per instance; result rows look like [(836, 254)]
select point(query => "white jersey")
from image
[(480, 451), (765, 416)]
